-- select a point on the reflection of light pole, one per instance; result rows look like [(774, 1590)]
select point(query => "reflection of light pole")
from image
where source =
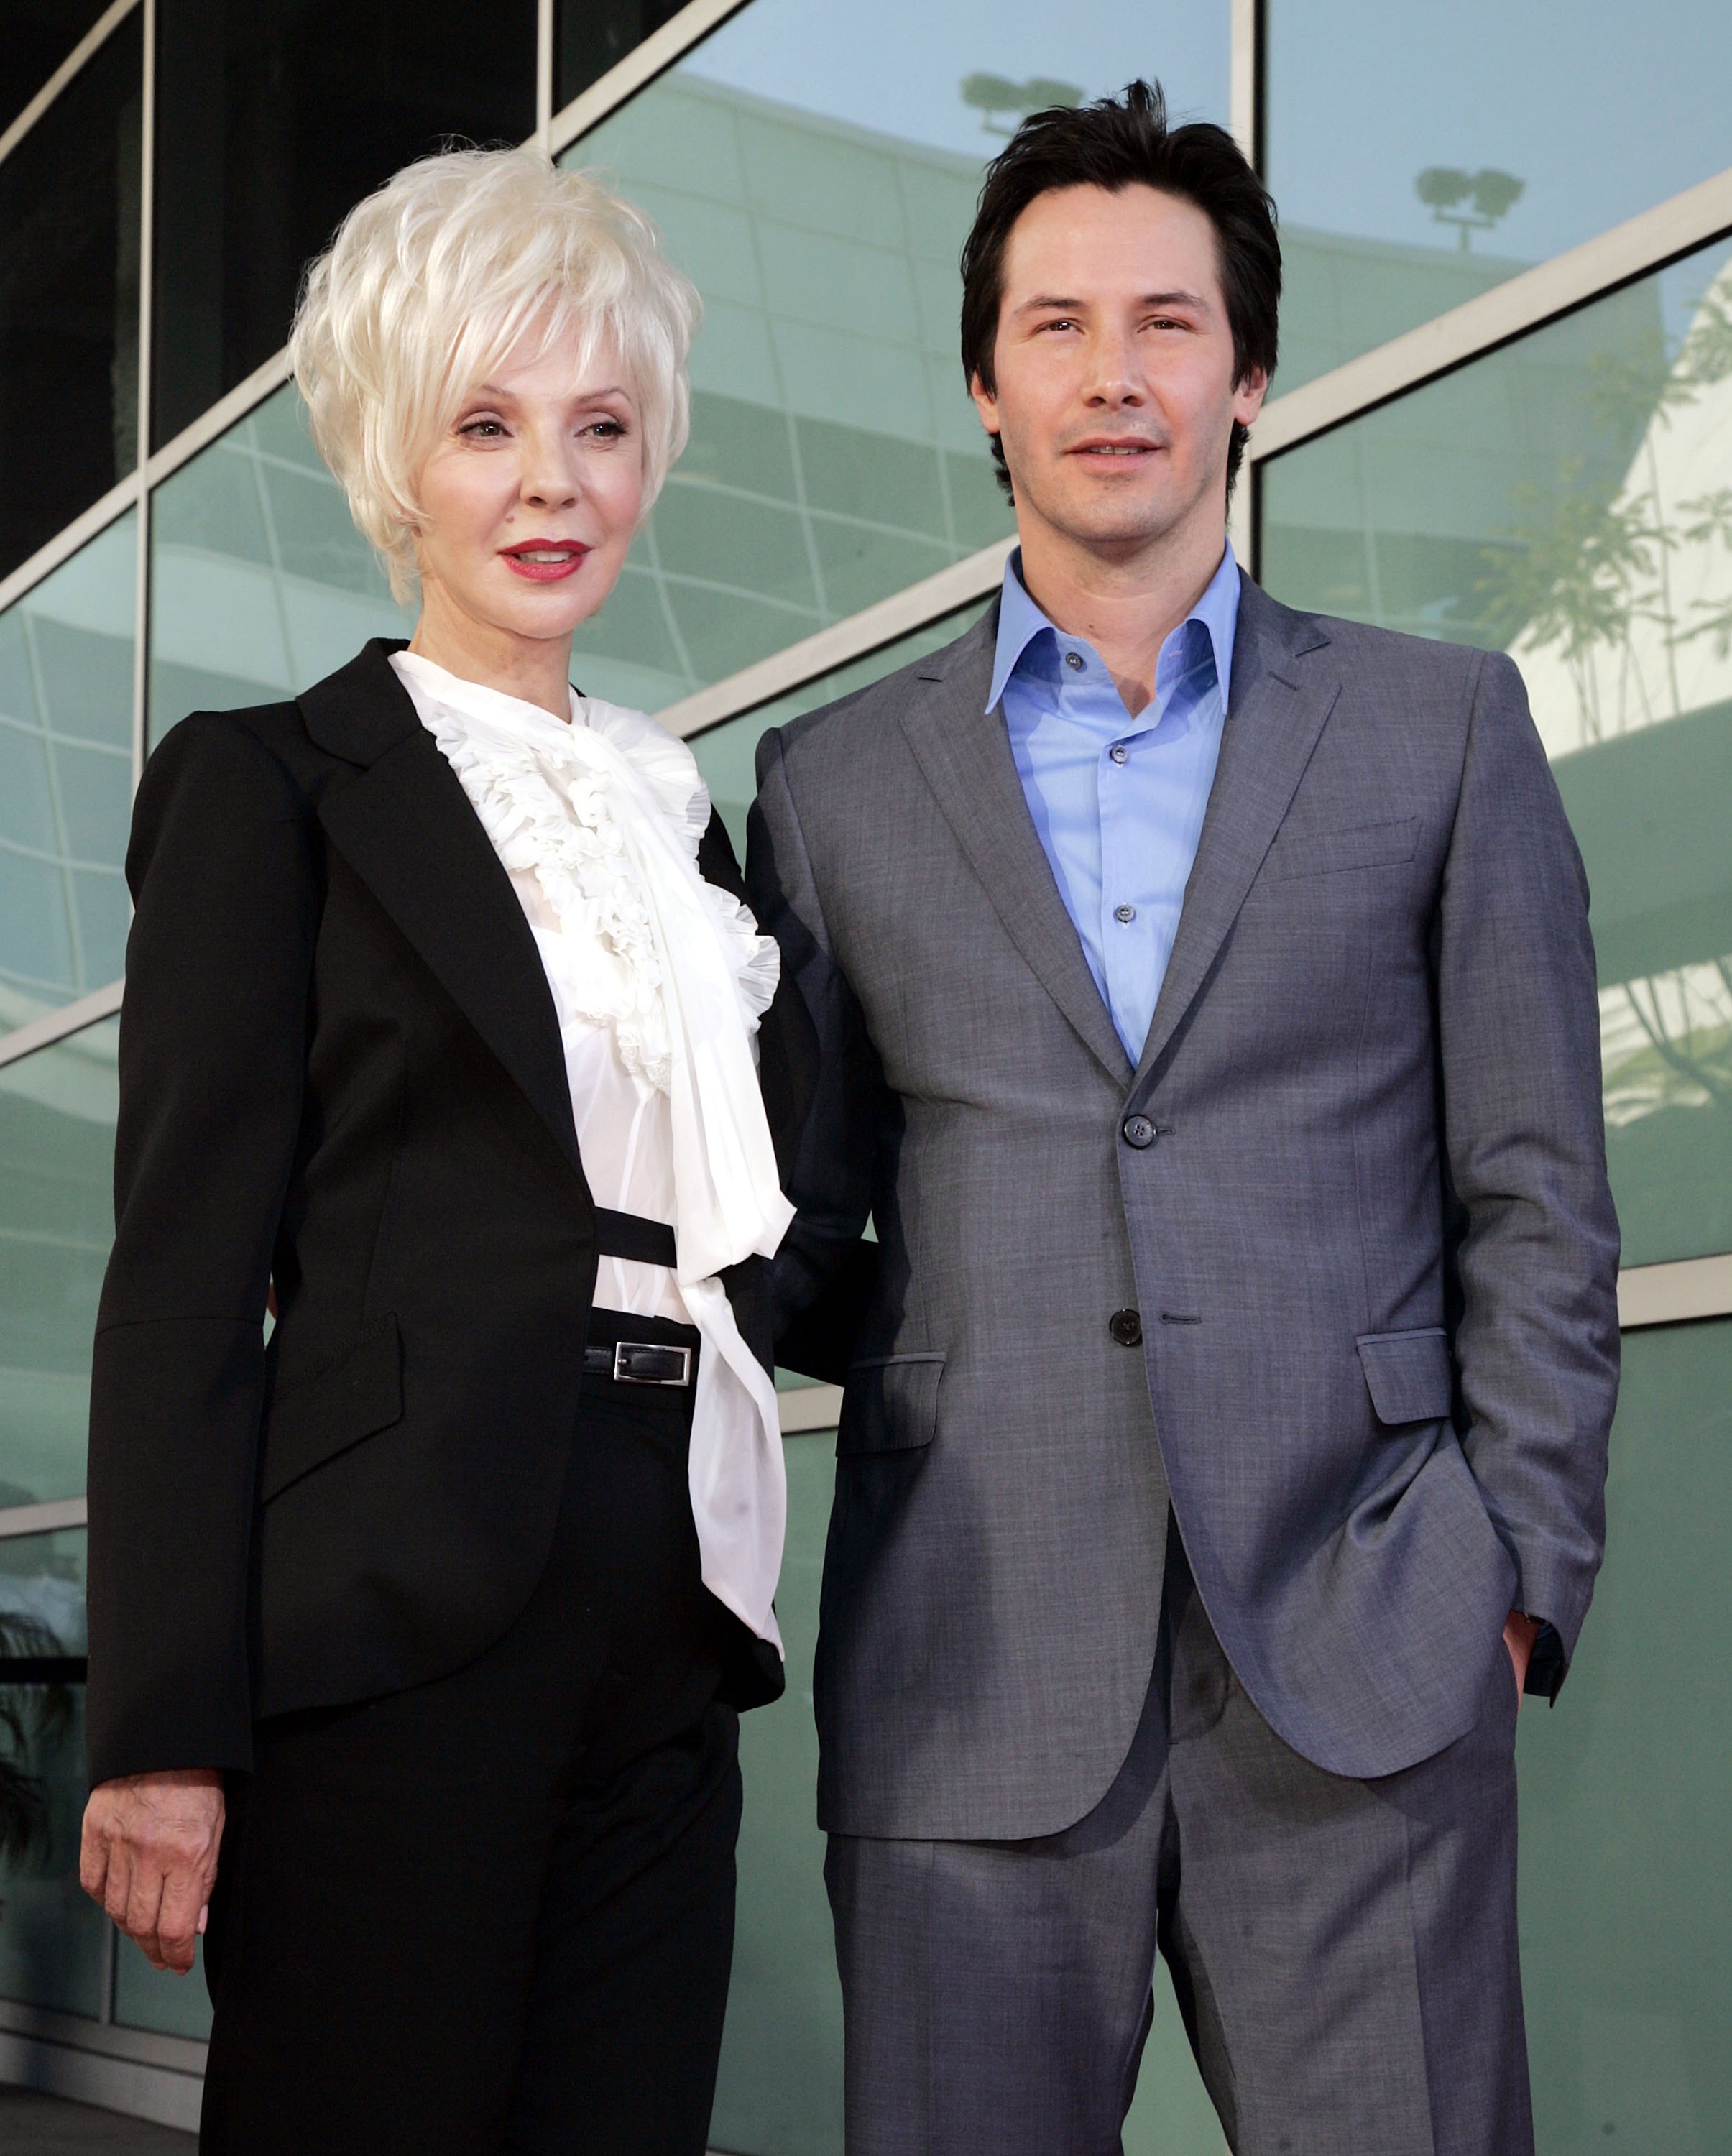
[(991, 95), (1494, 194)]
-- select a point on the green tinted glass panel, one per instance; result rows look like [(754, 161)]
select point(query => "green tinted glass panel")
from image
[(817, 187), (726, 754), (1419, 156), (147, 1997), (1569, 500), (260, 584), (66, 779), (51, 1943), (57, 1121), (1626, 1879)]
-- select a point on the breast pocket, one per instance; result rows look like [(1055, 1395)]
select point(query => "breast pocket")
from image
[(890, 1404), (1308, 852), (328, 1414)]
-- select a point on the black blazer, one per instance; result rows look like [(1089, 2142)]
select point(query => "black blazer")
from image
[(341, 1071)]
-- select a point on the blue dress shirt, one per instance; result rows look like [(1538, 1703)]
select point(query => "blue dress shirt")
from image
[(1117, 801)]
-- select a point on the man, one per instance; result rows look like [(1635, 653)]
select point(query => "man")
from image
[(1204, 1014)]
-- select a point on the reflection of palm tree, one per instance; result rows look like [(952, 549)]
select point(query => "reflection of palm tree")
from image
[(33, 1718)]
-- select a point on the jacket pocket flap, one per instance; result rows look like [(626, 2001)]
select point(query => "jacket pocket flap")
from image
[(1408, 1374), (316, 1421), (890, 1404), (1367, 846)]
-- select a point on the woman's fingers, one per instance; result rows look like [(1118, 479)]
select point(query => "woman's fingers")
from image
[(149, 1855), (177, 1920)]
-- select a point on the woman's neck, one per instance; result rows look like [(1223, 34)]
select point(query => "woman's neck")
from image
[(535, 670)]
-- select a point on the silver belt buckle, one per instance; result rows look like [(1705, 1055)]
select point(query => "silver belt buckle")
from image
[(622, 1376)]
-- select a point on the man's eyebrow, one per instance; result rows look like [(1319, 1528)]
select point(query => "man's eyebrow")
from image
[(1044, 300)]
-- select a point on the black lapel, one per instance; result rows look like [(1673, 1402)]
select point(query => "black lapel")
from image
[(964, 753), (406, 828), (1278, 708)]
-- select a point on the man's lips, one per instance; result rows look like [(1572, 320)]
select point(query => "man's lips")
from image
[(544, 560), (1116, 450)]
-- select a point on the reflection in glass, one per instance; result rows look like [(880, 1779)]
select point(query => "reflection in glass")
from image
[(68, 299), (1459, 146), (260, 584), (1627, 1877), (57, 1122), (51, 1932), (40, 35), (1569, 500), (273, 121), (590, 36), (817, 187), (66, 777), (726, 754)]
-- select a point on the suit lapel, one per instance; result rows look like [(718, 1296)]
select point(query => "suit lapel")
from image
[(963, 752), (406, 828), (1280, 703)]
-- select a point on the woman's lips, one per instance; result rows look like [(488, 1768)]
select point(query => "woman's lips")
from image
[(545, 562)]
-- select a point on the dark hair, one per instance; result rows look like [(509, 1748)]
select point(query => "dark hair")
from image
[(1115, 143)]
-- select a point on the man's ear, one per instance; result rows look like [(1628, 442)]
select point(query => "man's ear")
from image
[(1248, 395), (986, 402)]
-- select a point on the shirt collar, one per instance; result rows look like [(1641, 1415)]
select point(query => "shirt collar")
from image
[(1021, 621)]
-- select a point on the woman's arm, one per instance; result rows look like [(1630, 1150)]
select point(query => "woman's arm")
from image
[(224, 868)]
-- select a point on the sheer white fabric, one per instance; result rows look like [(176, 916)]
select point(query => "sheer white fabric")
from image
[(659, 980)]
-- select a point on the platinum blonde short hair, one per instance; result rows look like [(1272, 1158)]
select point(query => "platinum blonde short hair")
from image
[(434, 279)]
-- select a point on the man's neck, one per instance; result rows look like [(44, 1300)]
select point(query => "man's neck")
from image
[(1126, 603)]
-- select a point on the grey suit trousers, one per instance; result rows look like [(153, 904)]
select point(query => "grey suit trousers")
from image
[(1344, 1952)]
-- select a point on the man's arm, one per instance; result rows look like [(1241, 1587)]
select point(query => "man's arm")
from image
[(1536, 1252), (823, 1089)]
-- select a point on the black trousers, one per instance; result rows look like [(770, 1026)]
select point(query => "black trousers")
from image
[(495, 1913)]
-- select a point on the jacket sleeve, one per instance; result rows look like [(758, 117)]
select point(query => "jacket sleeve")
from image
[(1535, 1235), (224, 870), (823, 1087)]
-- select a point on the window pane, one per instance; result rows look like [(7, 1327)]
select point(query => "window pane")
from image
[(780, 2088), (57, 1122), (1627, 1878), (1421, 155), (146, 1998), (39, 35), (273, 120), (590, 35), (1569, 500), (66, 779), (726, 754), (260, 584), (68, 301), (50, 1932), (818, 187)]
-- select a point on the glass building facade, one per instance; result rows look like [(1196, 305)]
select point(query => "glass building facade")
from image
[(1503, 417)]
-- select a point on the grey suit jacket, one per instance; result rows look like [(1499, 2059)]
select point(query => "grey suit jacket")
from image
[(1364, 1218)]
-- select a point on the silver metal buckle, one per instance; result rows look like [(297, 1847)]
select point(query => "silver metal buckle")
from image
[(622, 1376)]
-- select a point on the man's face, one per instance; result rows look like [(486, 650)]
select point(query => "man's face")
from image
[(1115, 397)]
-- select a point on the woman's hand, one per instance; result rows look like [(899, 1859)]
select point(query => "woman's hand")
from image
[(150, 1858)]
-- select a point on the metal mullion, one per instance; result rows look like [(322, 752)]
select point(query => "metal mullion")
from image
[(92, 41), (58, 1026), (640, 66), (543, 69), (68, 540), (1562, 285), (146, 278)]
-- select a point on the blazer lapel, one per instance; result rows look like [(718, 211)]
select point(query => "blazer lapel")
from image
[(1277, 710), (964, 754), (406, 828)]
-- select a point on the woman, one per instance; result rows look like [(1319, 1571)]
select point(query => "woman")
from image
[(417, 1638)]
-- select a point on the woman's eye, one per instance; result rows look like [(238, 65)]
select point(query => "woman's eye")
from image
[(482, 429), (607, 430)]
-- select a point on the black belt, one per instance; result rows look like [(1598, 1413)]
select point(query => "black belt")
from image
[(628, 1236)]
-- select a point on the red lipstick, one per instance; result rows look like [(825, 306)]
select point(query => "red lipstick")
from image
[(545, 561)]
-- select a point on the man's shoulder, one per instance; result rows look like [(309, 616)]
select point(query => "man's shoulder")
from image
[(857, 725), (1363, 652)]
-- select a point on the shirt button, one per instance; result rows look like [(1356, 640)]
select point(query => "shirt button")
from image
[(1126, 1327), (1075, 661), (1119, 751), (1124, 913), (1139, 1132)]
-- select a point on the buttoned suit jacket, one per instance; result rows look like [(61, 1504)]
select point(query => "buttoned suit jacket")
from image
[(341, 1070), (1354, 1189)]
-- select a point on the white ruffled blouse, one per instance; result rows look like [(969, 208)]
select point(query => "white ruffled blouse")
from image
[(659, 980)]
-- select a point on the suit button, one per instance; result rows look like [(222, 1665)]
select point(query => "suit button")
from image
[(1139, 1132), (1126, 1327)]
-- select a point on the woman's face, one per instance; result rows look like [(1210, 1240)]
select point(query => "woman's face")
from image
[(530, 501)]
